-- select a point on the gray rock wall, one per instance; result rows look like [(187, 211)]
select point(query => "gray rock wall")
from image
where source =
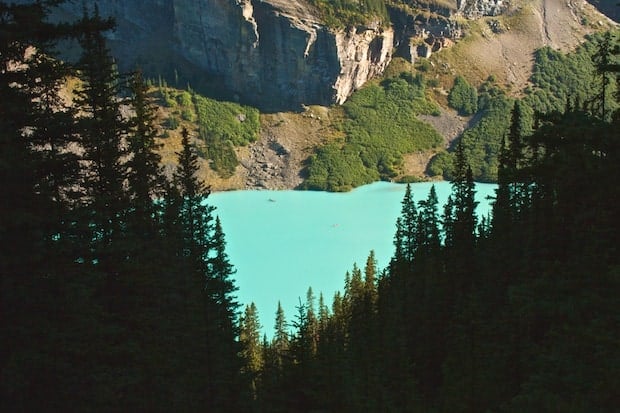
[(274, 54), (277, 55)]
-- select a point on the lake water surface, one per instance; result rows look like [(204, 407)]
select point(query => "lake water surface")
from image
[(282, 242)]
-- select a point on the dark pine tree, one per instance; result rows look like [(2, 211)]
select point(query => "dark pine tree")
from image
[(222, 320), (251, 353), (35, 177), (102, 130), (145, 178)]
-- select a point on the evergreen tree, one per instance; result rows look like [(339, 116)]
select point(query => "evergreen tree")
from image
[(428, 225), (463, 97), (312, 322), (606, 67), (370, 279), (222, 322), (502, 205), (280, 343), (195, 217), (103, 132), (463, 188), (447, 219), (220, 284), (145, 178), (251, 351), (274, 397), (406, 229), (35, 177), (323, 314)]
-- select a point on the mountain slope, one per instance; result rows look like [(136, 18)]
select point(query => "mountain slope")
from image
[(503, 46)]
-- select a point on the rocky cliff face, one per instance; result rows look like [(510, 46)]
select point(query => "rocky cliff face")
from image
[(276, 54)]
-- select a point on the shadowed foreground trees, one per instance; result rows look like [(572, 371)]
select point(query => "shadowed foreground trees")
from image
[(516, 314), (116, 288)]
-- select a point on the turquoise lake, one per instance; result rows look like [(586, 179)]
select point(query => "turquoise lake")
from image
[(282, 242)]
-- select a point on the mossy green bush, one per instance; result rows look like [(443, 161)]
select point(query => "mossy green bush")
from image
[(482, 141), (222, 125), (239, 123), (463, 97), (346, 13), (219, 149), (380, 125)]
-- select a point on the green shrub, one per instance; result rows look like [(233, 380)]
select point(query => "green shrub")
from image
[(171, 122), (441, 165), (410, 179), (221, 125), (219, 149), (187, 113), (240, 123), (482, 141), (463, 97), (184, 99), (338, 169), (380, 126)]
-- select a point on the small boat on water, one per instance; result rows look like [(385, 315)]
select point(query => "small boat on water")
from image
[(272, 200)]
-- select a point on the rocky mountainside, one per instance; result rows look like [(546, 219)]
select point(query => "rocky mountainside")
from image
[(276, 54), (279, 56), (273, 54)]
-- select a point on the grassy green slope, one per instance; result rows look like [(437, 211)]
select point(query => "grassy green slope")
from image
[(380, 125)]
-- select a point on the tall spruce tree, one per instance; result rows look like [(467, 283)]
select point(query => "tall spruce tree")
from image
[(222, 321), (408, 232), (195, 218), (145, 178), (463, 190), (102, 130), (35, 174), (281, 338), (428, 234), (251, 351)]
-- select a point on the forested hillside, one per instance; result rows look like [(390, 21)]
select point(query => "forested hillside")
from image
[(558, 81), (515, 312), (116, 289), (117, 293)]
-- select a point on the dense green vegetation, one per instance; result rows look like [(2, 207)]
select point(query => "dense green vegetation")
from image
[(380, 126), (482, 141), (380, 122), (558, 80), (572, 79), (463, 97), (221, 125), (346, 13)]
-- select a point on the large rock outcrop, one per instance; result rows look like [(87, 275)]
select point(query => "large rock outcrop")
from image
[(276, 54)]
